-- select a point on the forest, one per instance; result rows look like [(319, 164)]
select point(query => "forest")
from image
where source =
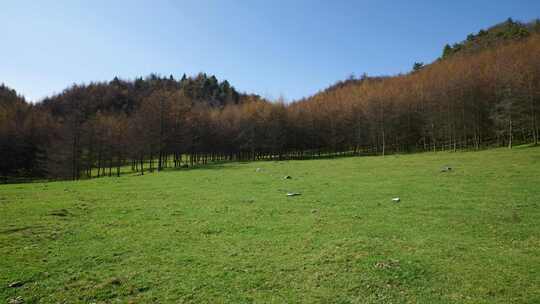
[(484, 91)]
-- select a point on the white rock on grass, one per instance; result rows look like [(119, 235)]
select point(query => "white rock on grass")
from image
[(396, 200), (293, 193), (446, 169), (15, 284)]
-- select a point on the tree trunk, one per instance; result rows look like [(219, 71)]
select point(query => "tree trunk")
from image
[(383, 143), (510, 135)]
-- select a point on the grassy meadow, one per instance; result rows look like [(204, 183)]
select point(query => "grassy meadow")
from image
[(229, 234)]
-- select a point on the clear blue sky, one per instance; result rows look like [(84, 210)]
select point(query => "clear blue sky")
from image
[(269, 47)]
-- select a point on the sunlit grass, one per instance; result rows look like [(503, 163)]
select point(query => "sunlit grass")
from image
[(227, 233)]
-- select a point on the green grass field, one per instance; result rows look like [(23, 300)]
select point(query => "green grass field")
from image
[(229, 234)]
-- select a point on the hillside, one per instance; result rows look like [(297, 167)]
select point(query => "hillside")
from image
[(479, 94), (125, 96), (500, 34), (229, 234), (487, 94), (496, 35), (8, 96)]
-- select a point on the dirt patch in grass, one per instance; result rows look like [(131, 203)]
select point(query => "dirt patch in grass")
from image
[(60, 213), (19, 229)]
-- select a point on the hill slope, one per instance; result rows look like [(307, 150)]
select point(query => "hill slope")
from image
[(229, 233), (496, 35), (489, 97)]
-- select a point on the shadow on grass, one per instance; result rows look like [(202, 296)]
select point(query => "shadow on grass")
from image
[(210, 166), (224, 165), (20, 180), (525, 146), (228, 165), (126, 171)]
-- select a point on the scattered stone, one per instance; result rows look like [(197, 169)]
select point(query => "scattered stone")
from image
[(17, 300), (16, 284), (287, 177), (258, 170), (396, 200), (446, 169), (115, 281), (293, 193)]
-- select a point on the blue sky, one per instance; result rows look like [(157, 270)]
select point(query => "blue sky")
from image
[(270, 47)]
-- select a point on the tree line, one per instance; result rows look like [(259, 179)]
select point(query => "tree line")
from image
[(490, 97)]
